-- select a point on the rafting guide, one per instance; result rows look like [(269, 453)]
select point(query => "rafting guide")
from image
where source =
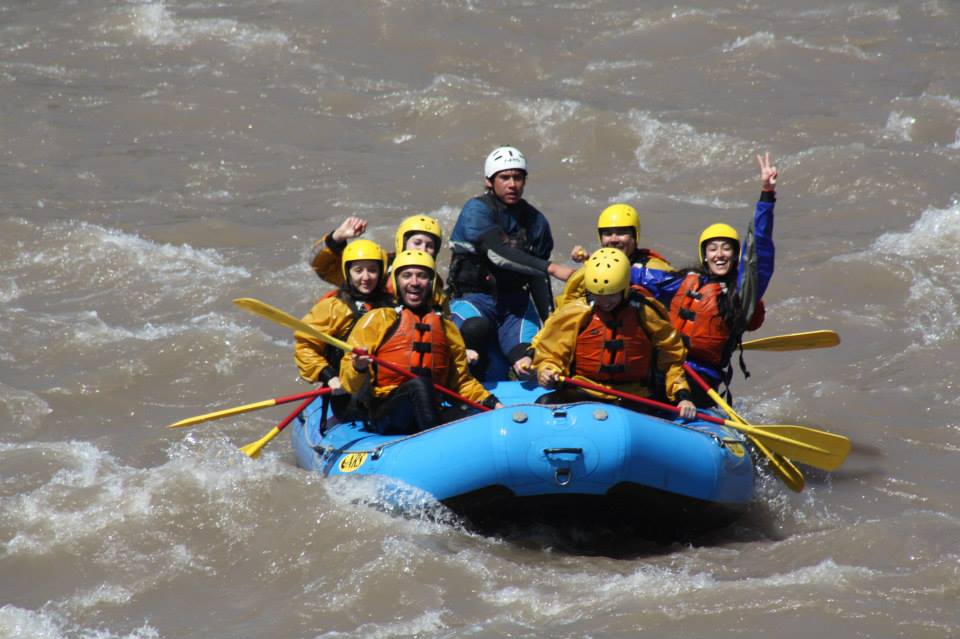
[(500, 268)]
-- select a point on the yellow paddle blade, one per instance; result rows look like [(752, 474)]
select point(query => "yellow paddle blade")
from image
[(276, 315), (223, 413), (253, 449), (782, 467), (806, 445), (837, 446), (785, 470), (794, 341)]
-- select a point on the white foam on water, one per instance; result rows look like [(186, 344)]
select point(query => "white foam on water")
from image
[(667, 148), (925, 118), (943, 100), (78, 259), (674, 587), (545, 116), (89, 330), (632, 194), (676, 15), (899, 126), (21, 409), (88, 495), (154, 22), (617, 65), (925, 257), (420, 511), (54, 72), (839, 49), (445, 96), (427, 624), (104, 594), (765, 41), (46, 623), (855, 11)]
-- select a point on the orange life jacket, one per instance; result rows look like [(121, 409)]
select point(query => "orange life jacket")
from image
[(695, 313), (643, 255), (418, 344), (614, 347)]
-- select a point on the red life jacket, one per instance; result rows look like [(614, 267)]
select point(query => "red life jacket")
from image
[(695, 313), (418, 344), (614, 347)]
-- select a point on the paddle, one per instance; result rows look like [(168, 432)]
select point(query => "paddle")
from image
[(794, 341), (190, 421), (276, 315), (808, 445), (782, 467), (253, 449)]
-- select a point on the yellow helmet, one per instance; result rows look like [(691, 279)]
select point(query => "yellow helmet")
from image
[(617, 215), (719, 231), (412, 258), (362, 250), (607, 272), (417, 224)]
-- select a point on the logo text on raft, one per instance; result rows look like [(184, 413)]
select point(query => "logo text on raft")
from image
[(351, 462)]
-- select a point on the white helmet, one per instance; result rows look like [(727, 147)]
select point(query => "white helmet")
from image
[(503, 158)]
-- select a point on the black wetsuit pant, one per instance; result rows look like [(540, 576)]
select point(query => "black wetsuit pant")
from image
[(411, 408)]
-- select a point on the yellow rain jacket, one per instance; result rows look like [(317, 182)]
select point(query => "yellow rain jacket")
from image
[(326, 262), (557, 344), (370, 333), (330, 315)]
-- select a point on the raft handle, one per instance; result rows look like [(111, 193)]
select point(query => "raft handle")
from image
[(560, 451), (563, 475)]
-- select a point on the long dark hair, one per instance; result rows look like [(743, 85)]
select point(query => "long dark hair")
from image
[(730, 302)]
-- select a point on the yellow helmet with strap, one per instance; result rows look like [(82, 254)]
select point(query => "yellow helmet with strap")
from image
[(412, 258), (619, 215), (607, 272), (717, 232), (362, 250), (417, 224)]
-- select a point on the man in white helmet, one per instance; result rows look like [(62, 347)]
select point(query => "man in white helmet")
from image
[(500, 270)]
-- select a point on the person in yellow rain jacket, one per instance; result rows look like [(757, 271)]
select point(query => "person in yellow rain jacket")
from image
[(415, 233), (616, 336), (417, 338), (618, 226), (363, 266)]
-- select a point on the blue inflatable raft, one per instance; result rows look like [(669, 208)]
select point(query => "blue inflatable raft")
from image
[(584, 462)]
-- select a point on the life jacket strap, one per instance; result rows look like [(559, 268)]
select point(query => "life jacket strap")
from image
[(613, 345)]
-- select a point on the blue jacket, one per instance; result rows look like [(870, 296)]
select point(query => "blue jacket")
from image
[(505, 246), (664, 285)]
